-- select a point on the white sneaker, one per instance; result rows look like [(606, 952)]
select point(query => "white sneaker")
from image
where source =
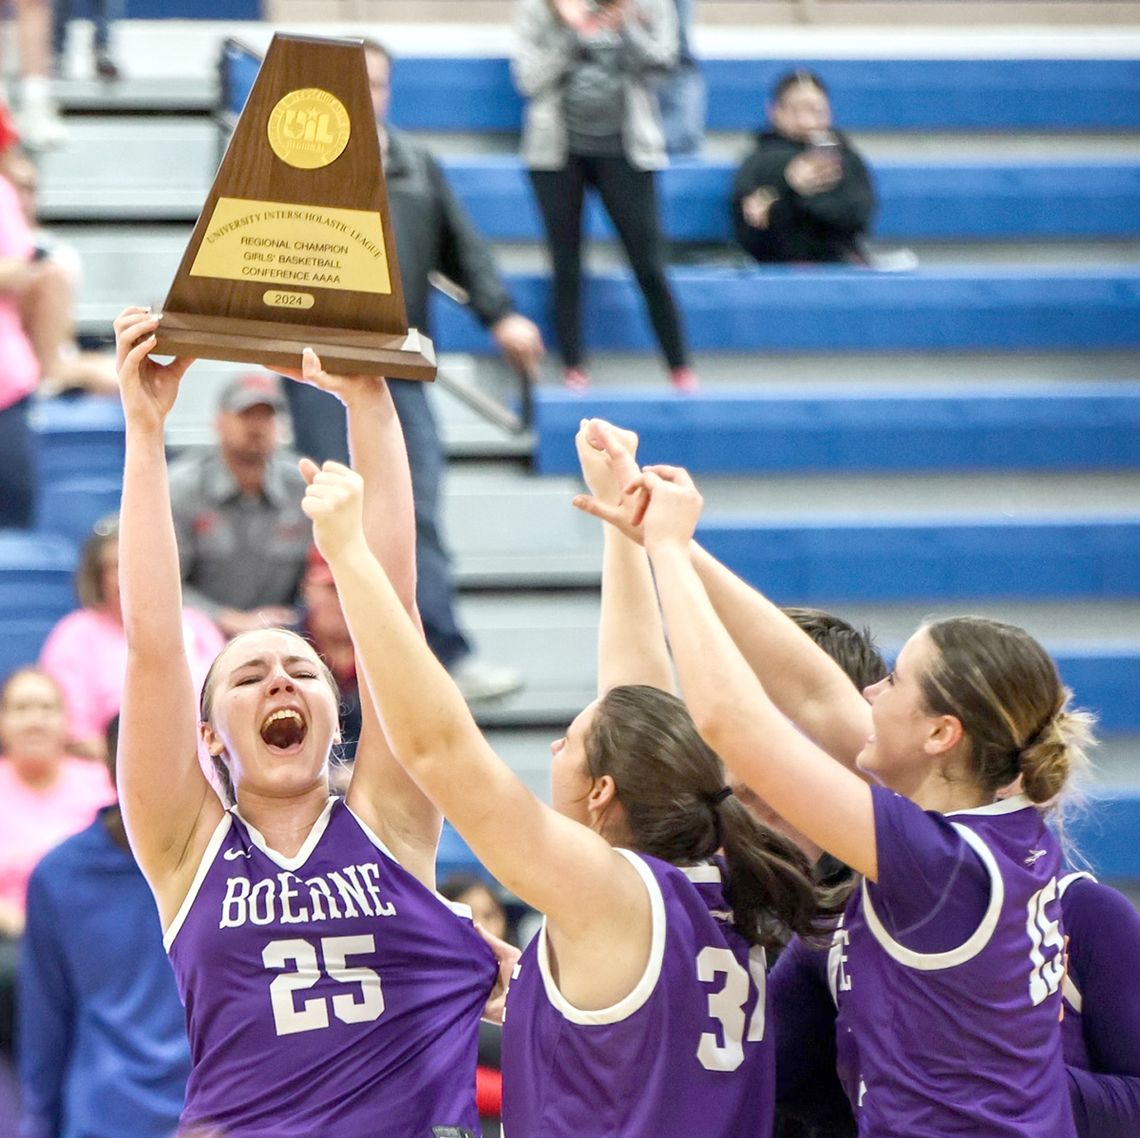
[(478, 679), (41, 128)]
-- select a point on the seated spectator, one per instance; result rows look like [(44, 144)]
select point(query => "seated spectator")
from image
[(45, 796), (21, 276), (804, 193), (242, 539), (48, 311), (102, 1035), (86, 652)]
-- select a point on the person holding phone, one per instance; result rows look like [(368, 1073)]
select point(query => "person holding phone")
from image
[(803, 193)]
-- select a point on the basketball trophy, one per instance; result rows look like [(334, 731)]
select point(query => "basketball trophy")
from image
[(294, 246)]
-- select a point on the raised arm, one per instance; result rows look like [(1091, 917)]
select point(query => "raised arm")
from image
[(631, 638), (732, 710), (381, 792), (168, 806), (551, 862), (807, 686)]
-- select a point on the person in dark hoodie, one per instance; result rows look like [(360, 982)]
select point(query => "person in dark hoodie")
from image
[(803, 193)]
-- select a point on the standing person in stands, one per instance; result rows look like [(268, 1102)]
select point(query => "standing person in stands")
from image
[(640, 1008), (592, 120), (970, 705), (803, 193), (433, 235), (103, 13), (328, 988)]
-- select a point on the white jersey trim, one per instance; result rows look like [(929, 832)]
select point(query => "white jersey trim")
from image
[(209, 855), (1069, 990), (303, 854), (643, 989), (1004, 806), (708, 874), (934, 961)]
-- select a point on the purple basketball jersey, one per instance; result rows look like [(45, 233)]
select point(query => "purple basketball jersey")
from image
[(966, 1041), (326, 994), (685, 1054)]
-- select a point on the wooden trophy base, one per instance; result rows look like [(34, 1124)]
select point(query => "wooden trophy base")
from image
[(279, 345)]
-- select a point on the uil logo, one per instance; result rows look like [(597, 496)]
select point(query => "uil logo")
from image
[(308, 128)]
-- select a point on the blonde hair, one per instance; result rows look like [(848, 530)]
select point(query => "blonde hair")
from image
[(1004, 689)]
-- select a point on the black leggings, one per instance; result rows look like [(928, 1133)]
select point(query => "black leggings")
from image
[(630, 198)]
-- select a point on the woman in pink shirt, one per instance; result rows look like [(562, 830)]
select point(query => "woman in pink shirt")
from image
[(86, 652), (46, 794)]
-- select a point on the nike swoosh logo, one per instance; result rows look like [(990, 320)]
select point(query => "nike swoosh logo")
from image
[(233, 855)]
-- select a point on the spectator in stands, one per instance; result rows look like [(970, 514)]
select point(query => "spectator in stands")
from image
[(21, 276), (804, 193), (433, 235), (86, 651), (102, 12), (40, 123), (46, 795), (102, 1033), (591, 120), (681, 94), (48, 311), (242, 539)]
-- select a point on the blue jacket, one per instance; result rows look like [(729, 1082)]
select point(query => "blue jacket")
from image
[(102, 1035)]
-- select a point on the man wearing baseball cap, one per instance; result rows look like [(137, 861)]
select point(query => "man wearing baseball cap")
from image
[(242, 538)]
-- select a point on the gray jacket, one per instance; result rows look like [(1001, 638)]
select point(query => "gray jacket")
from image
[(548, 50)]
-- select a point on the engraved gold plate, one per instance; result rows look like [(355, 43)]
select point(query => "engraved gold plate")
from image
[(308, 128), (276, 244), (275, 298)]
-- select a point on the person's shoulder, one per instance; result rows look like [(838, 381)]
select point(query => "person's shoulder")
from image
[(1087, 902), (78, 620), (76, 852)]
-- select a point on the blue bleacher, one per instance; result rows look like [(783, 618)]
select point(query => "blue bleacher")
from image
[(36, 572), (78, 437), (193, 9), (70, 507), (821, 562), (1046, 426), (477, 95), (928, 200), (474, 95), (792, 308), (1105, 832)]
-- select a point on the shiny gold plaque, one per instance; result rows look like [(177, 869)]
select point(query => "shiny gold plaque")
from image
[(294, 246)]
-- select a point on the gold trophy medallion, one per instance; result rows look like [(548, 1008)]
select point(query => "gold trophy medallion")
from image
[(309, 128)]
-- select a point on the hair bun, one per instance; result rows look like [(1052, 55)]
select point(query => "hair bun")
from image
[(1057, 748)]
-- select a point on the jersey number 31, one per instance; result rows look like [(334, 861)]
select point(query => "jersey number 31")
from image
[(727, 1004)]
